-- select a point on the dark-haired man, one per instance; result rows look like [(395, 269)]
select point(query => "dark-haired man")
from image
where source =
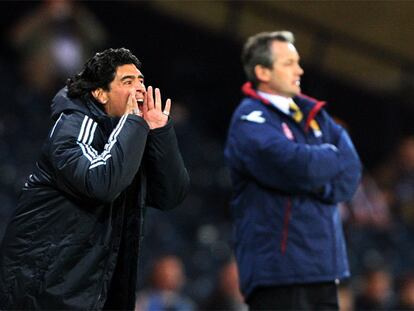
[(290, 165), (74, 239)]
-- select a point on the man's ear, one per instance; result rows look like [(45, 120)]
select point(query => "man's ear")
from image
[(263, 74), (100, 95)]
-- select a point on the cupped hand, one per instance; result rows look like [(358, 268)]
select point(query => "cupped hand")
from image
[(132, 105), (152, 109)]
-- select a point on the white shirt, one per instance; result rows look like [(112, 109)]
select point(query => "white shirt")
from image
[(280, 102)]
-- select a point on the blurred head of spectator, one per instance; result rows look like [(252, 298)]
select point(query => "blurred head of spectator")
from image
[(164, 292), (168, 274), (376, 291), (53, 42)]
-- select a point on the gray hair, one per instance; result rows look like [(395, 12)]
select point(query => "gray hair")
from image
[(256, 51)]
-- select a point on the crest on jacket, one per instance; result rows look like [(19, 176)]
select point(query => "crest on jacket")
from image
[(254, 116)]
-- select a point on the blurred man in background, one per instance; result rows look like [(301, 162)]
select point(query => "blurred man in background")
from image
[(290, 165), (376, 290), (74, 239), (53, 41), (164, 293)]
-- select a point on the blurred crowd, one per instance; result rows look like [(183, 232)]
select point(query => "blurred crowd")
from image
[(187, 259), (380, 230)]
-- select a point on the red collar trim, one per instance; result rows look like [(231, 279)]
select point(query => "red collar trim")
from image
[(315, 109), (312, 114), (248, 90)]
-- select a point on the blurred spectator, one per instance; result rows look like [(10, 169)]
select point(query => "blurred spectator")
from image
[(368, 207), (403, 185), (167, 279), (369, 226), (405, 299), (376, 291), (227, 295), (397, 176), (53, 42)]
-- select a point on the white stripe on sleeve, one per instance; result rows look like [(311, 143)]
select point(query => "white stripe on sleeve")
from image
[(85, 140)]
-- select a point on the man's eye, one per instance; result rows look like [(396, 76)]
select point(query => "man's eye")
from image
[(128, 82)]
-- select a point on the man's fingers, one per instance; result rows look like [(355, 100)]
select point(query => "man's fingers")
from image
[(157, 99), (167, 107), (144, 106), (150, 98)]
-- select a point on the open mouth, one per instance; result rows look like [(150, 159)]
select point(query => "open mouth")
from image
[(140, 100)]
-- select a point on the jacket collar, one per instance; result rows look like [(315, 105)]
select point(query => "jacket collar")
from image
[(87, 105), (310, 106)]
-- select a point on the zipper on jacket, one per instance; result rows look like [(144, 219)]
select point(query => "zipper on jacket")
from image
[(285, 231)]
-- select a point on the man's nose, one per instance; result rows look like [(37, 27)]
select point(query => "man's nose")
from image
[(140, 87), (300, 70)]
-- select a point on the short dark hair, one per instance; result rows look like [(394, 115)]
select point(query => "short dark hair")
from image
[(256, 51), (99, 71)]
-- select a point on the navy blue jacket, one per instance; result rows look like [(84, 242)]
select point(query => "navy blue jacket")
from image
[(288, 178)]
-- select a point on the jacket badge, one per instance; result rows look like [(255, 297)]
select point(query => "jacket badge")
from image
[(254, 116), (315, 128), (286, 130)]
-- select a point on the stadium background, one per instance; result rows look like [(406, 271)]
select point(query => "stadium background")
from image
[(357, 55)]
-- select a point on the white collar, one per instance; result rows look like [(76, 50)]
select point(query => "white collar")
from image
[(280, 102)]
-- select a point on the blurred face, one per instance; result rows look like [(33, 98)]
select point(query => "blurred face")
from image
[(127, 78), (168, 274), (284, 77), (378, 285)]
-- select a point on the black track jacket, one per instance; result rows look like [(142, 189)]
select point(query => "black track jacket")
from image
[(73, 242)]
